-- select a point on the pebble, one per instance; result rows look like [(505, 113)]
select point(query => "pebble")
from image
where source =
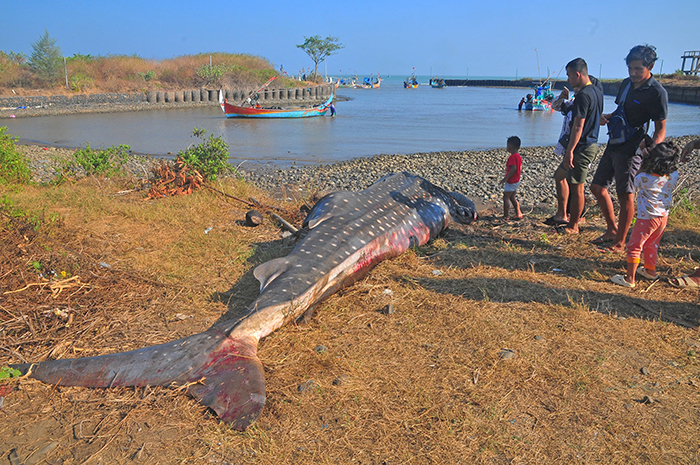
[(645, 371), (308, 385), (506, 354), (341, 380), (320, 349), (539, 338)]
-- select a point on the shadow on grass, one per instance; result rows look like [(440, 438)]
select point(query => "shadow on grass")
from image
[(244, 292), (610, 303)]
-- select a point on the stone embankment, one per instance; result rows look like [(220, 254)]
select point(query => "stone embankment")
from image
[(27, 106)]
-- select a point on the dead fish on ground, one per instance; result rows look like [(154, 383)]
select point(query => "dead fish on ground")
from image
[(349, 233)]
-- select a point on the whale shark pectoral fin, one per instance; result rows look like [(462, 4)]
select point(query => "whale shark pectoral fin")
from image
[(223, 373), (268, 271), (318, 219)]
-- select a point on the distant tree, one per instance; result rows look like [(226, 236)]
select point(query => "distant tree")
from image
[(46, 58), (319, 49)]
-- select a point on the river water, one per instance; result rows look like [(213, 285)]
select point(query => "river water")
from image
[(387, 120)]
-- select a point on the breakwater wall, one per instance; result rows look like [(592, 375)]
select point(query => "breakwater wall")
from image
[(299, 95), (676, 94)]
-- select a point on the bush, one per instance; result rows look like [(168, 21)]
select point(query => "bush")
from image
[(106, 162), (210, 157), (13, 164)]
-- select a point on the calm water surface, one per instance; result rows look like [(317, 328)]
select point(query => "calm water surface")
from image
[(387, 120)]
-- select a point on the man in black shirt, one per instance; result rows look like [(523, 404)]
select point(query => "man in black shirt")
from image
[(582, 146), (640, 99)]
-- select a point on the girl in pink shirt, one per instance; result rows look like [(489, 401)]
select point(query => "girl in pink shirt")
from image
[(655, 182)]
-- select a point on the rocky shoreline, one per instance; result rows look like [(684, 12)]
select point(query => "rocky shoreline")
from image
[(474, 173)]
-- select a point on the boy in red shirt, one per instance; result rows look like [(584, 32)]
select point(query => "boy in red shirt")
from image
[(511, 180)]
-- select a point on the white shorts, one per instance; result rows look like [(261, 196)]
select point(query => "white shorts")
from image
[(511, 187)]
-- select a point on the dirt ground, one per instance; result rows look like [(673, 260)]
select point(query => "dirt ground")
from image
[(508, 344)]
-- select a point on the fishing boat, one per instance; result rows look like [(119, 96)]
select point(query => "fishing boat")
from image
[(346, 82), (255, 110), (369, 83), (437, 83), (540, 101), (411, 82)]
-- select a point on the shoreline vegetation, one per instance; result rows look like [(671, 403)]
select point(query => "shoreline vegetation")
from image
[(475, 173)]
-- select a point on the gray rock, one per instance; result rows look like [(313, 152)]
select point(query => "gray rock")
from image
[(320, 349), (308, 386), (506, 354), (341, 380)]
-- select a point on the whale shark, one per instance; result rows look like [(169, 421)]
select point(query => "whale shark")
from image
[(348, 234)]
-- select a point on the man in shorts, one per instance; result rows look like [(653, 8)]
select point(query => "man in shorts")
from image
[(582, 146), (645, 100)]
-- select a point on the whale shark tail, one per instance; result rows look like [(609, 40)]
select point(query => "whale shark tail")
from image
[(223, 373)]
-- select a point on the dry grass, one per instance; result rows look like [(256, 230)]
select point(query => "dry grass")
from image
[(425, 384), (123, 73)]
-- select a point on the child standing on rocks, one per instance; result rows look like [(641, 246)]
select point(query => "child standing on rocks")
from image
[(655, 182), (511, 180)]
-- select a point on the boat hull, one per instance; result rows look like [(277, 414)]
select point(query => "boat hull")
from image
[(233, 111)]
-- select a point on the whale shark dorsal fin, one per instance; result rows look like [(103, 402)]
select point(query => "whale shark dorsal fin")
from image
[(268, 271)]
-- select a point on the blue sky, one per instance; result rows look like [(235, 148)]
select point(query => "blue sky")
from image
[(451, 38)]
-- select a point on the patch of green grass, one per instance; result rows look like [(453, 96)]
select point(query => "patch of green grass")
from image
[(14, 168), (107, 162)]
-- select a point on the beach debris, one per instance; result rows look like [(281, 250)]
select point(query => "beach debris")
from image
[(253, 218), (174, 179), (388, 309)]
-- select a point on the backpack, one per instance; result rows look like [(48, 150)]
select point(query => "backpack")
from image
[(619, 129)]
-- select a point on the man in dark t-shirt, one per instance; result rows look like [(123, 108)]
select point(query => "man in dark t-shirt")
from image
[(644, 100), (583, 137)]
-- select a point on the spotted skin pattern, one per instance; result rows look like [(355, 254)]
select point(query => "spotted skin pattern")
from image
[(349, 233)]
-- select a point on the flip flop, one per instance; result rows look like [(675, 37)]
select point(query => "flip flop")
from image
[(602, 240), (620, 281), (645, 274), (552, 221), (683, 282)]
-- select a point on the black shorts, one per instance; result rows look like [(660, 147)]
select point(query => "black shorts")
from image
[(621, 164)]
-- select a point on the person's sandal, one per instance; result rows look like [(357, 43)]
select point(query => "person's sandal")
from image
[(644, 273), (620, 281)]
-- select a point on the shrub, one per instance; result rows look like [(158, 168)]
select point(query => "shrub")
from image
[(210, 157), (100, 162), (13, 164)]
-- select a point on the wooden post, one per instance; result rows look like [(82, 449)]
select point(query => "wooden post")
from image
[(65, 69)]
